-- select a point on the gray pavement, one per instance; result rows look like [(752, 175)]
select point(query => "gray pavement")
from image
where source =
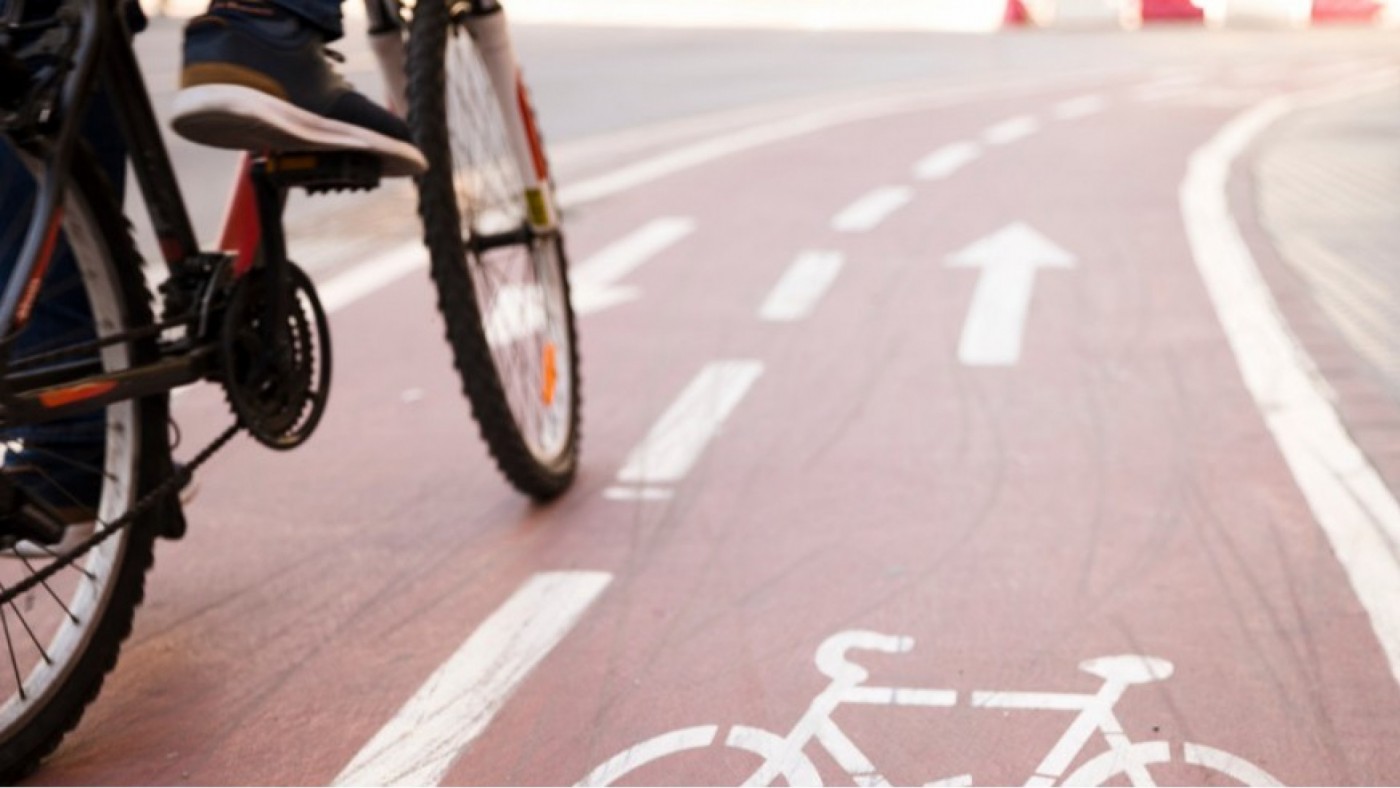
[(1328, 194)]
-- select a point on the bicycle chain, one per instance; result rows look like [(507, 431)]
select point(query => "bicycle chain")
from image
[(168, 487)]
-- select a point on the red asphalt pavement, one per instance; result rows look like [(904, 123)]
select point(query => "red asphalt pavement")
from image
[(1115, 491)]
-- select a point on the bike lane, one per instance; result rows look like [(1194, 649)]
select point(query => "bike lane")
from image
[(1112, 492)]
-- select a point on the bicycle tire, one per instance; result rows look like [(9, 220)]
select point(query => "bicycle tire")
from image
[(136, 458), (479, 319)]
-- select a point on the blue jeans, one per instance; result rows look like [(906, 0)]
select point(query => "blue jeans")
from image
[(324, 15)]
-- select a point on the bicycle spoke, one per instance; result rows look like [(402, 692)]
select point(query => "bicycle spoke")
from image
[(84, 572), (10, 646)]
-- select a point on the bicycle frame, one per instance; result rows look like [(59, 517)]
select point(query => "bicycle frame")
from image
[(103, 56), (252, 225)]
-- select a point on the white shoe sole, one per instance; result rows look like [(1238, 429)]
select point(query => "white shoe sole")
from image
[(232, 116)]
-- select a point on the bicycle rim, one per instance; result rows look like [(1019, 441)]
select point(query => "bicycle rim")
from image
[(502, 289), (58, 640)]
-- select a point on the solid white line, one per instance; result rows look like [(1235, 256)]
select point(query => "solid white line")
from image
[(595, 280), (1350, 501), (867, 212), (669, 451), (1081, 107), (372, 275), (947, 160), (802, 286), (460, 699), (1009, 131)]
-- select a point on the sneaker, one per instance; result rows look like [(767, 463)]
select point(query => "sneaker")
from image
[(258, 79)]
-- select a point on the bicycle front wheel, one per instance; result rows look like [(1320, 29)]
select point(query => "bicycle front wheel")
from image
[(502, 287)]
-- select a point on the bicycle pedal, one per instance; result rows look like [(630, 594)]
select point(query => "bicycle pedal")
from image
[(320, 172)]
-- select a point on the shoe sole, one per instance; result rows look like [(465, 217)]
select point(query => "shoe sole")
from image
[(232, 116)]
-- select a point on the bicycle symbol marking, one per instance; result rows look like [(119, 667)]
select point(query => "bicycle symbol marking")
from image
[(784, 756)]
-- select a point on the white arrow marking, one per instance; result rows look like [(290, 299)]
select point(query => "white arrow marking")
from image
[(459, 701), (595, 280), (947, 160), (996, 322)]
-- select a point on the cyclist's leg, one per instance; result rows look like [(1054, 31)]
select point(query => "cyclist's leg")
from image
[(61, 460)]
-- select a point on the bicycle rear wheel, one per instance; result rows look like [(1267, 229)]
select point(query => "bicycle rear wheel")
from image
[(503, 288), (59, 640)]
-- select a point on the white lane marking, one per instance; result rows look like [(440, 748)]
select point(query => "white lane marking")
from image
[(1081, 107), (1009, 131), (996, 321), (669, 451), (867, 212), (372, 275), (1349, 500), (637, 494), (1163, 89), (624, 179), (802, 286), (460, 699), (947, 160), (517, 311), (951, 782), (595, 280)]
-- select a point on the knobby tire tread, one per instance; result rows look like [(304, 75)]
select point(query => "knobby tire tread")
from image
[(456, 293), (22, 753)]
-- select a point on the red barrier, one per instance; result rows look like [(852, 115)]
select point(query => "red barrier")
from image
[(1016, 14), (1346, 10), (1153, 10)]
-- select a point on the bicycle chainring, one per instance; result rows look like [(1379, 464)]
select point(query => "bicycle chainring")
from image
[(277, 378)]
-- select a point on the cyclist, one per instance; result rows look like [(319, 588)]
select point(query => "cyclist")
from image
[(256, 76)]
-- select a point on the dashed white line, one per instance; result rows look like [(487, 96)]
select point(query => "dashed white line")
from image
[(802, 286), (378, 272), (1081, 107), (595, 280), (947, 160), (1011, 130), (867, 212), (1164, 89), (676, 441), (461, 698)]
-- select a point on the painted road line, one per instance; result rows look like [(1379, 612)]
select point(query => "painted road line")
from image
[(1081, 107), (802, 286), (996, 321), (1009, 131), (372, 275), (1349, 500), (459, 701), (674, 444), (1163, 89), (638, 494), (866, 213), (595, 280), (947, 160)]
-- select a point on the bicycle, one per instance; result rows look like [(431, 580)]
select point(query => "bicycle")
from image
[(244, 316), (783, 756)]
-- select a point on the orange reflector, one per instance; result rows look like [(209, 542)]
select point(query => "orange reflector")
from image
[(550, 374), (57, 398)]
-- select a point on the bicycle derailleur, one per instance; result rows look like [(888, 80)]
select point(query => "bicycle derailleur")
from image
[(276, 370)]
